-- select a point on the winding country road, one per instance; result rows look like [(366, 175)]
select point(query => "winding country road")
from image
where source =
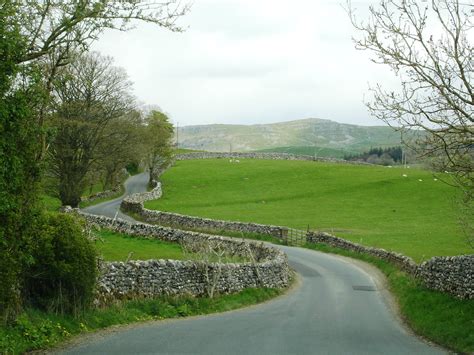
[(134, 184), (338, 307)]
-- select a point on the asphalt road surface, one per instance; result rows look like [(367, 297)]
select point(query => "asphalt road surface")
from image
[(337, 307), (134, 184)]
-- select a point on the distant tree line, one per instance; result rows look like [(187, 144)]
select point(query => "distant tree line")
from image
[(380, 156)]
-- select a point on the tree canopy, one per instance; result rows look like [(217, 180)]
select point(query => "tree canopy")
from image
[(159, 132)]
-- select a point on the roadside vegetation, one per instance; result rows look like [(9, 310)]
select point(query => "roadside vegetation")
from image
[(434, 315), (68, 122), (406, 210), (34, 329)]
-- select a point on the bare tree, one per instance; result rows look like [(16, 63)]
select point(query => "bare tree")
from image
[(57, 26), (254, 262), (210, 257), (54, 29), (428, 45)]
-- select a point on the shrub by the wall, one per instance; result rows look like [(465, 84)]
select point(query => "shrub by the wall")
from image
[(63, 272)]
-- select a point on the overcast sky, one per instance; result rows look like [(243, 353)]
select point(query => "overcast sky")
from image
[(251, 61)]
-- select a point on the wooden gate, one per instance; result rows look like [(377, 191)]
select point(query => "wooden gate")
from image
[(296, 237)]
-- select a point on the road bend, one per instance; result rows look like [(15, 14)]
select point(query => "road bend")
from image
[(337, 307)]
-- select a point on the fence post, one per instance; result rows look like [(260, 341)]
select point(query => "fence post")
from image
[(284, 234)]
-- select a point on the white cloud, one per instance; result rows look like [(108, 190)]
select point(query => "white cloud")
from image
[(247, 61)]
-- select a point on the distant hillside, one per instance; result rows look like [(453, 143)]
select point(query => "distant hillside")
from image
[(311, 132)]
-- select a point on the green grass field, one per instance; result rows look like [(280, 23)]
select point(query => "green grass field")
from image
[(371, 205), (116, 247)]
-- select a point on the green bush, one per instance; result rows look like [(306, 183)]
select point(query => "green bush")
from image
[(21, 93), (63, 275)]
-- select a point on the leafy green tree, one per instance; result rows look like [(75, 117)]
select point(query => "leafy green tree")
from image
[(62, 279), (21, 93), (158, 135), (120, 145)]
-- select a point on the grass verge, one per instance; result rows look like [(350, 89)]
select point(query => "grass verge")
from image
[(434, 315), (39, 330)]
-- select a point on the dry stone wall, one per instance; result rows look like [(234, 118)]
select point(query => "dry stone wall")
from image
[(402, 261), (451, 274), (122, 280), (150, 278), (454, 275), (102, 194), (134, 203), (265, 156)]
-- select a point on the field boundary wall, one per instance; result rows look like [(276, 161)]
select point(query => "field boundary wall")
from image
[(264, 156), (268, 266), (451, 274)]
